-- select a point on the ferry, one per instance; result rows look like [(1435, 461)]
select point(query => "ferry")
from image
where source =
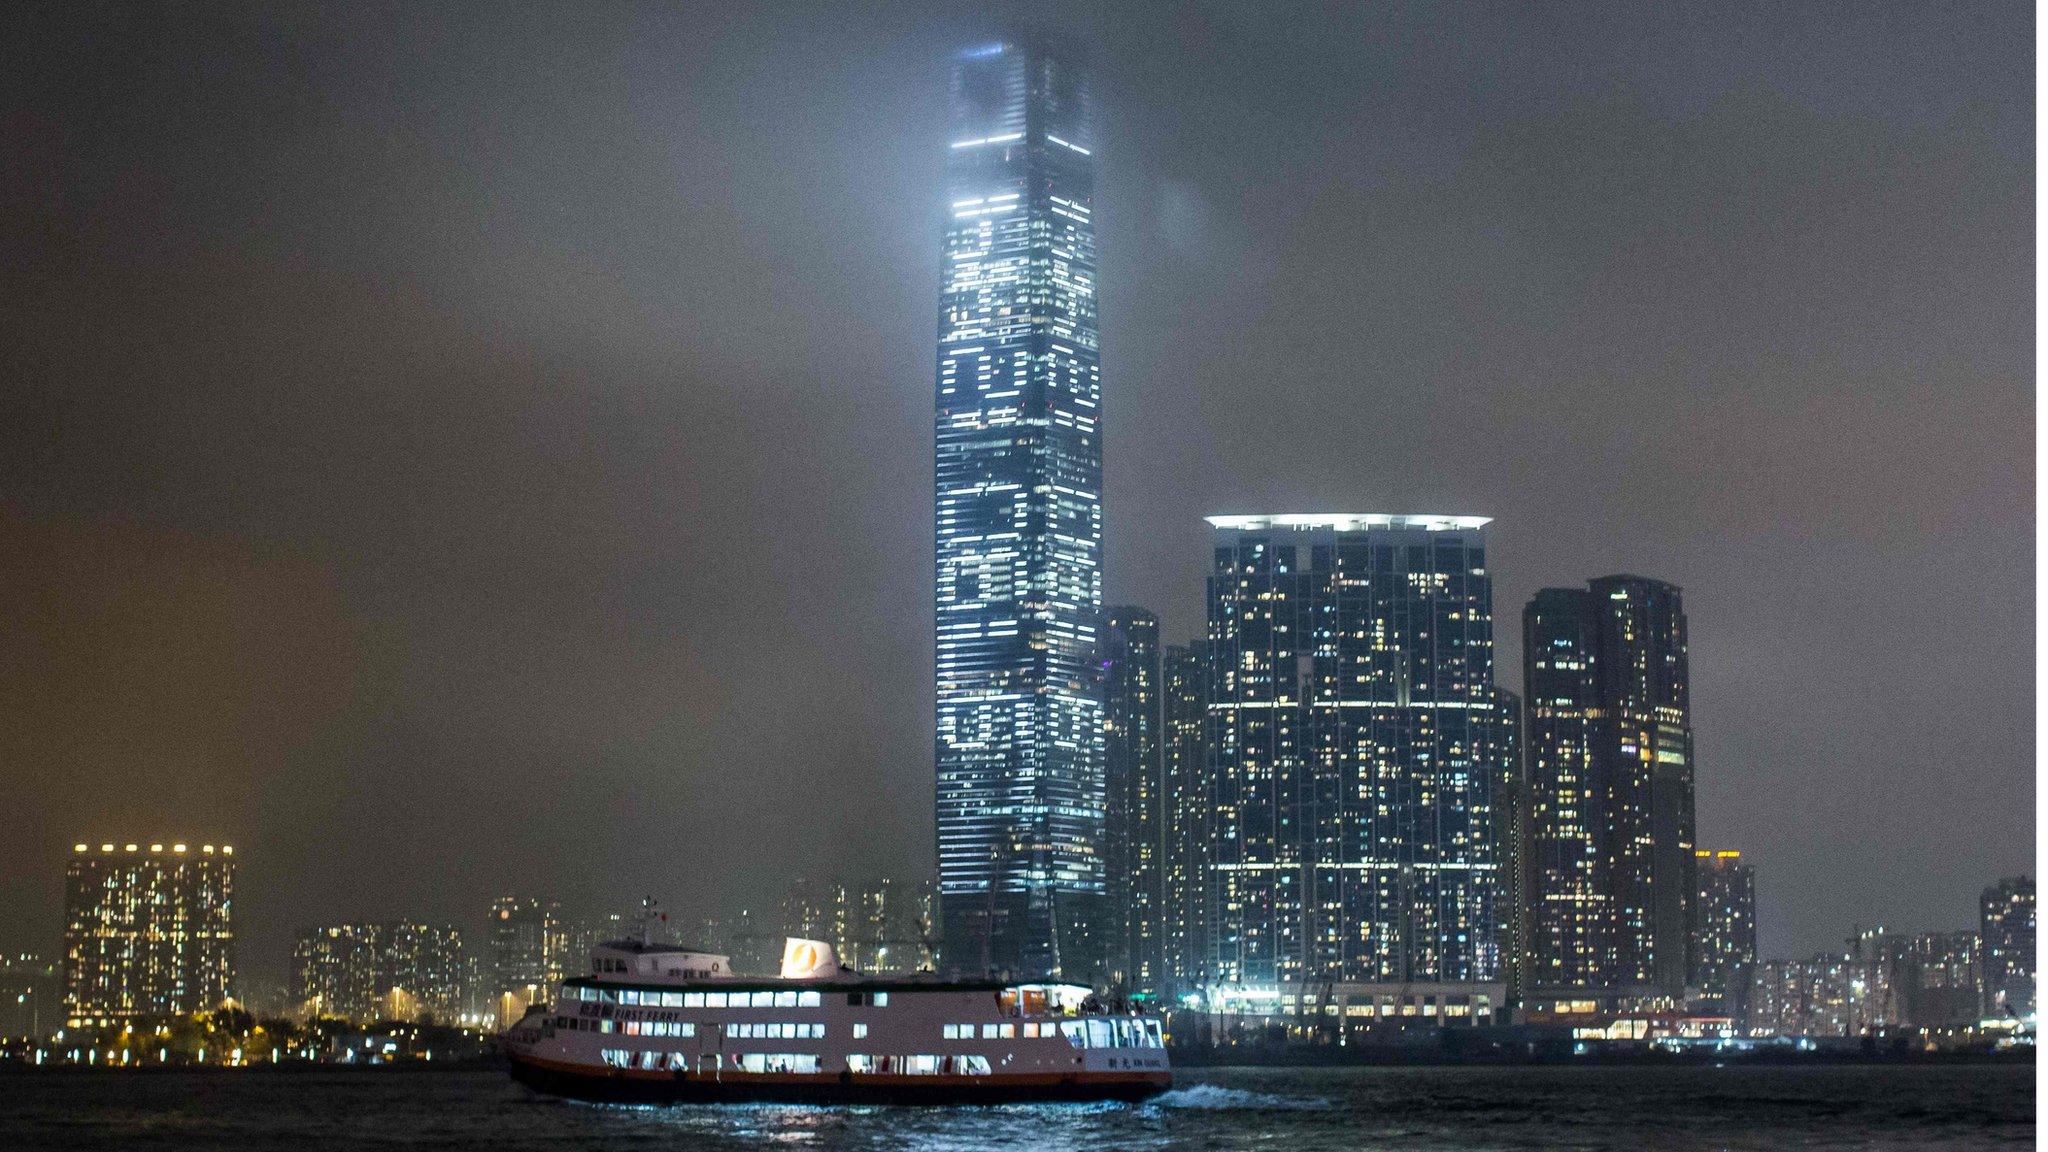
[(660, 1024)]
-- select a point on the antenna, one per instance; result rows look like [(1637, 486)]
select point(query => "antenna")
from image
[(647, 916)]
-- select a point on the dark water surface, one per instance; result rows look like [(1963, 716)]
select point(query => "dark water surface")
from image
[(1286, 1110)]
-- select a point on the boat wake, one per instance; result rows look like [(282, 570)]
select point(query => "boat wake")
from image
[(1217, 1097)]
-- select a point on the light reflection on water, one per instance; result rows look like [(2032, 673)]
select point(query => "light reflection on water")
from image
[(1285, 1110)]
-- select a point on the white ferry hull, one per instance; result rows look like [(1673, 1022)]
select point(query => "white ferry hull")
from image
[(635, 1086)]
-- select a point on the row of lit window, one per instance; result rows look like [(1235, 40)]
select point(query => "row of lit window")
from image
[(650, 999)]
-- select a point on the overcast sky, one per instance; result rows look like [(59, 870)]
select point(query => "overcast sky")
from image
[(449, 451)]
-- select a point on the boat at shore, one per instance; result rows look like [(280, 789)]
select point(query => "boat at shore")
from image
[(661, 1024)]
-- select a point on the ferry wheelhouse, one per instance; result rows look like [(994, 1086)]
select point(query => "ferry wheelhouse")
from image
[(656, 1023)]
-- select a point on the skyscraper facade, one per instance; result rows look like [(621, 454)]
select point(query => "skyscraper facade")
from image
[(529, 951), (1018, 479), (1608, 739), (1184, 711), (1134, 849), (1724, 931), (1349, 738), (148, 930), (366, 972), (2006, 925), (1947, 980), (1510, 836)]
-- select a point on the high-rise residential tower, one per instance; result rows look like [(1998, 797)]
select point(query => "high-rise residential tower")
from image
[(1134, 848), (149, 930), (1608, 747), (1184, 711), (1019, 748), (529, 952), (1351, 752), (2006, 926), (1724, 931), (367, 972), (1510, 836)]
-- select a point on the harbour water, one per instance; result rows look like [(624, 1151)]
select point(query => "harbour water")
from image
[(1281, 1109)]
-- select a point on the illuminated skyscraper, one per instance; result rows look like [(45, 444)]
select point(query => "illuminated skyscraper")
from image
[(1019, 748), (529, 950), (149, 930), (2007, 928), (365, 972), (1134, 843), (1184, 711), (1724, 931), (1510, 836), (1352, 747), (1608, 737)]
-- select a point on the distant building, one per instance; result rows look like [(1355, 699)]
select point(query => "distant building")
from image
[(1511, 838), (1350, 725), (528, 953), (149, 930), (1134, 848), (1946, 971), (581, 934), (31, 995), (1018, 480), (1724, 931), (874, 925), (1184, 699), (1829, 995), (368, 972), (2007, 926), (1608, 739)]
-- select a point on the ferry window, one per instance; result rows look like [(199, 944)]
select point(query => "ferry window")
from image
[(881, 999), (808, 1000), (671, 999), (629, 997), (606, 1026), (785, 999), (714, 999), (1098, 1033), (608, 995), (975, 1065), (686, 1029), (860, 1031), (988, 1031), (1007, 1032), (949, 1032), (693, 999), (922, 1065), (1152, 1039), (1074, 1032), (860, 1063), (764, 999)]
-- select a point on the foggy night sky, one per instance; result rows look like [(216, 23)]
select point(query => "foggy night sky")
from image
[(449, 452)]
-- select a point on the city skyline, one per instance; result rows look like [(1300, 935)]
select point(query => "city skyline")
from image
[(351, 535)]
